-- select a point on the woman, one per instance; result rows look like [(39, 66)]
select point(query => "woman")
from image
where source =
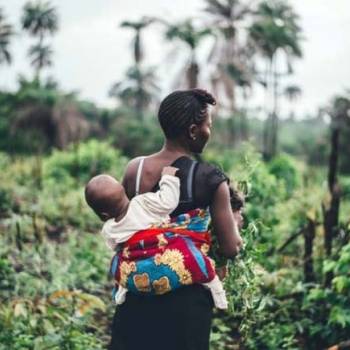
[(180, 319)]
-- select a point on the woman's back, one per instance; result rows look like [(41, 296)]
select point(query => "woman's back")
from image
[(198, 180)]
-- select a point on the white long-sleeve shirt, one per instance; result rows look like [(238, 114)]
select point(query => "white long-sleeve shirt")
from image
[(145, 210)]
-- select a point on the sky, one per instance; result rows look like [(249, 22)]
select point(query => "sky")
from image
[(92, 52)]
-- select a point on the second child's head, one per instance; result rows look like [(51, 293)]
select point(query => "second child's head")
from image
[(237, 205), (107, 197)]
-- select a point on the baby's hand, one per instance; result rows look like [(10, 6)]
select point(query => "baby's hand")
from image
[(169, 170), (222, 272)]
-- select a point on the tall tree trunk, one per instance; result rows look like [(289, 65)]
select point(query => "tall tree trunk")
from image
[(139, 94), (268, 107), (192, 73), (266, 133), (139, 104), (138, 59), (331, 212), (232, 131), (137, 48), (37, 74), (244, 127), (309, 235), (243, 121), (274, 116)]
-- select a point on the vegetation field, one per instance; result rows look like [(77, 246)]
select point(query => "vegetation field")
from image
[(289, 288)]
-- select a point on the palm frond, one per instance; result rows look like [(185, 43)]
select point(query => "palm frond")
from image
[(39, 18), (6, 34)]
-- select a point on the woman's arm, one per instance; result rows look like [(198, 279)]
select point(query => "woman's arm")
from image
[(224, 225)]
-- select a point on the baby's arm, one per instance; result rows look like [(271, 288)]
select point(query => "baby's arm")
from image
[(166, 199)]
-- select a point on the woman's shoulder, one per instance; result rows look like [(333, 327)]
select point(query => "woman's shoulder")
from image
[(132, 165), (130, 175), (208, 177), (210, 168), (211, 172)]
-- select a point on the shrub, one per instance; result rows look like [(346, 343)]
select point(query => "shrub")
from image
[(285, 169), (82, 161)]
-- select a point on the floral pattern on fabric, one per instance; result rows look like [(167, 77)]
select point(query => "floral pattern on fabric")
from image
[(158, 260)]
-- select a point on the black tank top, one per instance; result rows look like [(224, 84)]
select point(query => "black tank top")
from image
[(198, 183)]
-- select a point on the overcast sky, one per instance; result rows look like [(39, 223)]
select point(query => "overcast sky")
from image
[(92, 51)]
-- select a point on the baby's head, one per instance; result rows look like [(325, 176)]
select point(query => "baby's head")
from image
[(106, 196), (237, 199)]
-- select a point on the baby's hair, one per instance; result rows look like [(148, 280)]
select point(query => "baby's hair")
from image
[(96, 194), (237, 199), (182, 108)]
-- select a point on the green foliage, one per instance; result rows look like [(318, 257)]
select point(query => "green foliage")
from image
[(284, 168), (83, 161), (54, 288), (271, 306), (135, 139), (53, 292), (51, 276)]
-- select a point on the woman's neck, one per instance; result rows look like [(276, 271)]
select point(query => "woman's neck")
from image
[(174, 148)]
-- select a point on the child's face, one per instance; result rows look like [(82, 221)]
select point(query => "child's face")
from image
[(237, 215)]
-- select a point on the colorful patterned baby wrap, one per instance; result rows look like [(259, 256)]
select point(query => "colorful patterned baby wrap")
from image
[(158, 260)]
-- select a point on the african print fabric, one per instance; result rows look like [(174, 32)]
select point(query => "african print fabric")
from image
[(160, 259)]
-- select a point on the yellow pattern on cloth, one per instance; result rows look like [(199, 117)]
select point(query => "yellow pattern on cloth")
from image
[(142, 282), (162, 242), (162, 285), (125, 270), (175, 260)]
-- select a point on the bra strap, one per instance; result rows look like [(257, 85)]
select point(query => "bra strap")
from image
[(190, 181), (138, 176)]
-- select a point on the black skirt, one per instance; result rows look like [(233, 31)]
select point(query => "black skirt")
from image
[(179, 320)]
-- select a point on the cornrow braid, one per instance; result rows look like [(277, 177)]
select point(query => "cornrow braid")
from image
[(182, 108)]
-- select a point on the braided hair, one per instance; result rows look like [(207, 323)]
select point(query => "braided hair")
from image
[(182, 108)]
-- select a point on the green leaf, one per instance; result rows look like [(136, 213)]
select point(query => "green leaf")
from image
[(340, 316), (328, 266), (341, 283)]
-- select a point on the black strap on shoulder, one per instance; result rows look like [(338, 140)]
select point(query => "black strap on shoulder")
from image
[(190, 181), (187, 169)]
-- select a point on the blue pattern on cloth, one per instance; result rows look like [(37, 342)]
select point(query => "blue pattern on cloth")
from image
[(167, 269)]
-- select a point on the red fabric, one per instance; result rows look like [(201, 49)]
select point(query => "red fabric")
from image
[(149, 233), (189, 247)]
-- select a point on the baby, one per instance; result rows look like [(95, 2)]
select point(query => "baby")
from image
[(123, 217)]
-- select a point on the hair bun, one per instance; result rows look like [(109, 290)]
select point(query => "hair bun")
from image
[(204, 96)]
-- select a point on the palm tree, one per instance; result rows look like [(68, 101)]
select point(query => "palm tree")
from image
[(41, 57), (292, 93), (186, 33), (231, 56), (6, 33), (40, 19), (138, 27), (275, 29), (135, 74), (132, 93)]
